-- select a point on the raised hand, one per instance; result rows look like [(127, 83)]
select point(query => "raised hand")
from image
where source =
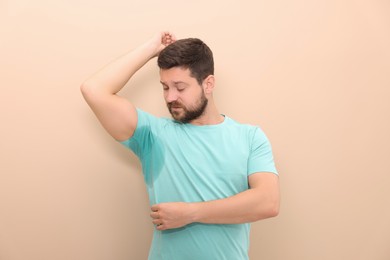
[(161, 40)]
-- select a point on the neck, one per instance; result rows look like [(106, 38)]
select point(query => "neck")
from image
[(211, 116)]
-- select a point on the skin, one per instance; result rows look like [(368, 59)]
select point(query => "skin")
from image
[(261, 201), (186, 99), (183, 93)]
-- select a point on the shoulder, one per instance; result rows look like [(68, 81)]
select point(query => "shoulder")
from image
[(251, 132), (247, 127)]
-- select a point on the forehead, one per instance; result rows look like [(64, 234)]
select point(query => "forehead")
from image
[(176, 74)]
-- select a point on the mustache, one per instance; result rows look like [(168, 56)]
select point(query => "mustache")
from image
[(174, 104)]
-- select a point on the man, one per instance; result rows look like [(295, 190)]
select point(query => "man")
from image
[(207, 176)]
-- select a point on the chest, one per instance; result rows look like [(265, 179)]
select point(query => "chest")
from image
[(221, 151)]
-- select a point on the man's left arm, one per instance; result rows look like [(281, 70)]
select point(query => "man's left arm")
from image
[(260, 201)]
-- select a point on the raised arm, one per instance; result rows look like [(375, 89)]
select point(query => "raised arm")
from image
[(117, 115)]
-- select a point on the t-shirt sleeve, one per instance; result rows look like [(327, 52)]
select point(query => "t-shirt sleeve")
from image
[(143, 138), (261, 158)]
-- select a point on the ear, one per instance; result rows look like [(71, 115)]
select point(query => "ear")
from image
[(208, 84)]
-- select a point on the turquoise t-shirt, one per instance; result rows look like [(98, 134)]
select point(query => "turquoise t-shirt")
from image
[(189, 163)]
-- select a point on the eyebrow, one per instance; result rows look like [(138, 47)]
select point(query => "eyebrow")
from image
[(175, 83), (179, 82)]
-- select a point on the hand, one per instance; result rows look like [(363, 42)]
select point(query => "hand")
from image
[(172, 215), (161, 40)]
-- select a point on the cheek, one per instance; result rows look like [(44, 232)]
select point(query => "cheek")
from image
[(187, 99)]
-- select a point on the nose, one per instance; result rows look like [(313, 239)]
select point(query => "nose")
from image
[(171, 95)]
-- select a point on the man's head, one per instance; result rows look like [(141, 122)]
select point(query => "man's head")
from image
[(192, 54), (186, 72)]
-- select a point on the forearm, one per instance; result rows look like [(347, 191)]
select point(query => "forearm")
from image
[(248, 206), (259, 202), (113, 77)]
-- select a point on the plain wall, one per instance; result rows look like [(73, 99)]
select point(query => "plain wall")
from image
[(313, 74)]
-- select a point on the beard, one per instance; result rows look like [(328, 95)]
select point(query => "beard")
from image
[(186, 114)]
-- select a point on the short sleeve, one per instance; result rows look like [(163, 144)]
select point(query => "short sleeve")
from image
[(261, 158), (142, 140)]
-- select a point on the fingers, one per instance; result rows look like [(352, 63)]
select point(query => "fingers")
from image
[(167, 38), (159, 223), (155, 207), (157, 220), (161, 40), (154, 215), (161, 227)]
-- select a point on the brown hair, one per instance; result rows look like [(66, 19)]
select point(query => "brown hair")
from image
[(189, 53)]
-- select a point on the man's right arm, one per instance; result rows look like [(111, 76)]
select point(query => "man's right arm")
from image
[(117, 115)]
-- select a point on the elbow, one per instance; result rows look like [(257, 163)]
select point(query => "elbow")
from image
[(85, 89), (272, 206), (273, 210), (92, 90), (269, 211), (88, 91)]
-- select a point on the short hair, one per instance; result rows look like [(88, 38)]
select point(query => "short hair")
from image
[(190, 53)]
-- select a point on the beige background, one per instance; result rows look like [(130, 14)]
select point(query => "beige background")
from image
[(313, 74)]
